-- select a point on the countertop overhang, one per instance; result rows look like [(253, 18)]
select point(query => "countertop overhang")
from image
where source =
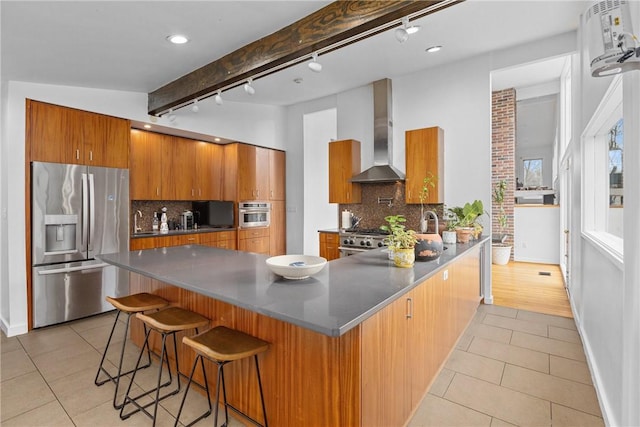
[(345, 293)]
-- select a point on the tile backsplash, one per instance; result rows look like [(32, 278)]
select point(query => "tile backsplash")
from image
[(148, 207), (372, 211)]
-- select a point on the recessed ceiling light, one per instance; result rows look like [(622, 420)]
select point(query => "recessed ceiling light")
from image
[(177, 39), (216, 139), (147, 126), (433, 49)]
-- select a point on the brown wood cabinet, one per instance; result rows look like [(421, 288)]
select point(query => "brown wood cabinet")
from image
[(254, 240), (344, 162), (329, 243), (145, 174), (67, 135), (414, 335), (424, 155), (165, 167), (277, 229), (219, 239), (253, 173), (277, 180), (207, 180)]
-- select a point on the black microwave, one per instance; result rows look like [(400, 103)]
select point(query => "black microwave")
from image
[(215, 213)]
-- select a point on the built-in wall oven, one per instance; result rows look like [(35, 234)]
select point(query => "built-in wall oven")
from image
[(254, 214)]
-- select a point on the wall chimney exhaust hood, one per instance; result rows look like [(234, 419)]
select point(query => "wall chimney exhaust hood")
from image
[(382, 169)]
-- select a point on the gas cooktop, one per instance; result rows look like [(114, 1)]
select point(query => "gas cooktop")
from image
[(366, 231)]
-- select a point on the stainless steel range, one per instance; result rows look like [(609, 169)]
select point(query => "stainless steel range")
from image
[(354, 241)]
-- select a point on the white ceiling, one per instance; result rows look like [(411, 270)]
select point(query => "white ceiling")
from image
[(121, 45)]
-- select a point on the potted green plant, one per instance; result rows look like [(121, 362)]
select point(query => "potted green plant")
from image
[(400, 240), (466, 220), (449, 232), (428, 182), (500, 252)]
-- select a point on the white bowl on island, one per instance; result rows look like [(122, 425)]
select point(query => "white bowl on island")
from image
[(296, 267)]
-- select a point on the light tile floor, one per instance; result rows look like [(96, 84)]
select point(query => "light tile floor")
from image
[(511, 367)]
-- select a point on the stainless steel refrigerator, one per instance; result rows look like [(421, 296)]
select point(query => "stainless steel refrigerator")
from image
[(77, 212)]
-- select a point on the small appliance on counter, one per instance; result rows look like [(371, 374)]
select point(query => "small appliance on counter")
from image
[(186, 220), (214, 214)]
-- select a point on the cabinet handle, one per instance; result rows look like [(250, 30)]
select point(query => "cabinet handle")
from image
[(271, 194), (409, 308), (409, 195), (192, 192), (157, 191), (91, 155), (77, 154), (191, 239), (258, 193), (199, 191), (348, 198)]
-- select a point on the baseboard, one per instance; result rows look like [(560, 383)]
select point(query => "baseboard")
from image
[(605, 407), (12, 330)]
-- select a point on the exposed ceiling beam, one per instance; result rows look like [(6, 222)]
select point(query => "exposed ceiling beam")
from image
[(335, 25)]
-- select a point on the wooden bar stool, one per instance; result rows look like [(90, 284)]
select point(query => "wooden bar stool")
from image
[(223, 345), (129, 305), (165, 322)]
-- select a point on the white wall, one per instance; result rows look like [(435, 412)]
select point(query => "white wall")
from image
[(605, 296), (258, 124), (536, 234), (319, 129)]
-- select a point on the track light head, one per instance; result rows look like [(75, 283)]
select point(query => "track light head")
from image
[(314, 65), (218, 98), (195, 108), (248, 87), (402, 33), (170, 116)]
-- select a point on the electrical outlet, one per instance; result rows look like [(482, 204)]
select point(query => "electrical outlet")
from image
[(445, 274)]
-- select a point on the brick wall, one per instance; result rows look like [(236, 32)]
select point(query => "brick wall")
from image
[(503, 146)]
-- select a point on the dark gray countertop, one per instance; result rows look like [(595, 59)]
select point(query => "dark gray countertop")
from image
[(177, 232), (343, 294)]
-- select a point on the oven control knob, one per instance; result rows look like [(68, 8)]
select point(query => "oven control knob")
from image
[(351, 242), (368, 243), (380, 244), (362, 243), (346, 241)]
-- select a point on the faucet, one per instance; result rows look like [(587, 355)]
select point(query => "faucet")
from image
[(136, 229)]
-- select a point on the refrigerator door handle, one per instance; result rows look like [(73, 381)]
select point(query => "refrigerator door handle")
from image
[(92, 210), (71, 269), (85, 209)]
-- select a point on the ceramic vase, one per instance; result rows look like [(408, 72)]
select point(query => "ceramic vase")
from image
[(404, 258)]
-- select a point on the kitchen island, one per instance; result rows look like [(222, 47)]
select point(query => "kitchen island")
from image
[(357, 344)]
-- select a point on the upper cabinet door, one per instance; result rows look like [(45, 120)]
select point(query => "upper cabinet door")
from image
[(277, 181), (106, 140), (55, 133), (246, 172), (208, 171), (66, 135), (344, 162), (178, 168), (424, 153), (145, 174), (262, 173)]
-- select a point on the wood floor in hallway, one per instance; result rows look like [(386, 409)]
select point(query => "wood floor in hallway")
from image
[(520, 285)]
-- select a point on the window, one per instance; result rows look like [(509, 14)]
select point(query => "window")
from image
[(615, 140), (603, 174), (532, 172)]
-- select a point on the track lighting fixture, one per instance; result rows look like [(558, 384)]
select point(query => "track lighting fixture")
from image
[(195, 108), (170, 116), (314, 65), (402, 33), (218, 98), (248, 88)]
